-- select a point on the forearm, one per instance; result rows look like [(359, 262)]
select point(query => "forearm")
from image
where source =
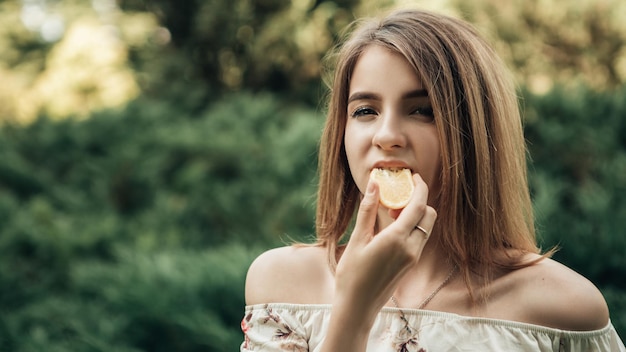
[(348, 329)]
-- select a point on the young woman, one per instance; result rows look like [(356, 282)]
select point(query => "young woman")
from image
[(458, 268)]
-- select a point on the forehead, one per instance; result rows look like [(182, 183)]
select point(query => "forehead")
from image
[(379, 69)]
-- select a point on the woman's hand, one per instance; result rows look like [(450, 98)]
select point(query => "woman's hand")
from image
[(373, 263)]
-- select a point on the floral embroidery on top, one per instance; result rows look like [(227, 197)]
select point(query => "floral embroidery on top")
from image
[(245, 327), (407, 338), (281, 331)]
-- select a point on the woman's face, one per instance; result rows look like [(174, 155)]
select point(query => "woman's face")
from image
[(390, 120)]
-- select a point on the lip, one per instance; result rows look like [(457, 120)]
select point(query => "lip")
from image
[(388, 164)]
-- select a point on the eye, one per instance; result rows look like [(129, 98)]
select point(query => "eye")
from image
[(425, 112), (363, 111)]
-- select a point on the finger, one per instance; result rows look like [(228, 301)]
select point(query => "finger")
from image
[(428, 220), (426, 224), (394, 213), (366, 215), (412, 214)]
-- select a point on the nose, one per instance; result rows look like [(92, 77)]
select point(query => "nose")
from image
[(389, 133)]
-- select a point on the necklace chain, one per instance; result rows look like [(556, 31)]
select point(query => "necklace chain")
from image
[(432, 295)]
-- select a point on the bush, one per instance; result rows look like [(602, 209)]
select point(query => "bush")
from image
[(578, 177), (577, 142), (213, 175), (169, 301), (118, 232)]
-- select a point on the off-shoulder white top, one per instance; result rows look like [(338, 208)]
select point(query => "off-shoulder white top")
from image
[(302, 327)]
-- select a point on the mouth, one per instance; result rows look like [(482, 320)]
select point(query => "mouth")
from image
[(392, 166), (392, 169)]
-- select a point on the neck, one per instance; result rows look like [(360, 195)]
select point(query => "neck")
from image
[(432, 266), (420, 285)]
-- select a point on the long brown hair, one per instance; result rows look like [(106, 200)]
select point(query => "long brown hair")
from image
[(484, 207)]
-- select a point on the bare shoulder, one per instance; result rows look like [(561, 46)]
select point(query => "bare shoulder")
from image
[(292, 274), (553, 295)]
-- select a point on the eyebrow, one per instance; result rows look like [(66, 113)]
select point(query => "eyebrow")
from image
[(418, 93)]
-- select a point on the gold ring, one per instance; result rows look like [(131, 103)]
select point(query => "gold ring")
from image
[(418, 227)]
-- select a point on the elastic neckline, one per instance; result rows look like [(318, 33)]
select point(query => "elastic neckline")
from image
[(450, 316)]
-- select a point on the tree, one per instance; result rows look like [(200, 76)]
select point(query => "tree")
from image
[(257, 45), (556, 41)]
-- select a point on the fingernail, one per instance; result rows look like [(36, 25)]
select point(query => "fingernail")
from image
[(370, 188)]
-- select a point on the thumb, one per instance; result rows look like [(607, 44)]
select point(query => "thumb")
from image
[(366, 216)]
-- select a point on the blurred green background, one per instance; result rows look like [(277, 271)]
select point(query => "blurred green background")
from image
[(149, 150)]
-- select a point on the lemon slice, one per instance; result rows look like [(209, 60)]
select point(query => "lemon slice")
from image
[(395, 185)]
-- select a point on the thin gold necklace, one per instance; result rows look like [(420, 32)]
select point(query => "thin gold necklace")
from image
[(432, 295)]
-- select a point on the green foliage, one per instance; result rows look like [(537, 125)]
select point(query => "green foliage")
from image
[(227, 45), (577, 142), (215, 174), (119, 232), (578, 148), (616, 299), (177, 300), (558, 43)]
